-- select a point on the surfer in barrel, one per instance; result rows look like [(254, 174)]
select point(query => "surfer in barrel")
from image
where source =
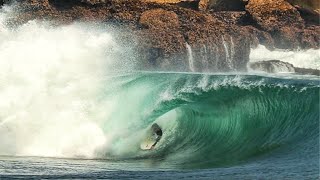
[(157, 133)]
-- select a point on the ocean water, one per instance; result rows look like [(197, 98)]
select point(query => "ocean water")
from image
[(73, 105)]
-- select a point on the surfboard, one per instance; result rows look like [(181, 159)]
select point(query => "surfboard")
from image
[(147, 143), (150, 138)]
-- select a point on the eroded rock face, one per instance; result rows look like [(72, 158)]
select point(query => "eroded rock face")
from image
[(159, 19), (272, 66), (167, 32), (313, 5), (164, 34), (277, 66), (310, 16), (271, 15), (284, 23)]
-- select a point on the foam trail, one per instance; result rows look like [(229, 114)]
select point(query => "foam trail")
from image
[(299, 58), (190, 58), (205, 58), (232, 52), (229, 58)]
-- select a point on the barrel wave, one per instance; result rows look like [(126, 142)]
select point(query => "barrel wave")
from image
[(216, 120), (85, 97)]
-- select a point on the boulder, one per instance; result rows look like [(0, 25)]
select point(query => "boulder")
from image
[(272, 66), (272, 15), (277, 66)]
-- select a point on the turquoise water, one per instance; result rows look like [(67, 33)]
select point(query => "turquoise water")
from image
[(221, 126)]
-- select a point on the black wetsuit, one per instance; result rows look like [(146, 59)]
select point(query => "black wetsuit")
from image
[(158, 131)]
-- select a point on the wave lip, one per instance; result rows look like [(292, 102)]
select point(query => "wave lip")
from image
[(222, 120), (233, 123)]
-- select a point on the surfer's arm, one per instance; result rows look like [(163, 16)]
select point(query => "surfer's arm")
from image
[(155, 143)]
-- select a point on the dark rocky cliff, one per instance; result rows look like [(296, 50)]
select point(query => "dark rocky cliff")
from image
[(218, 36)]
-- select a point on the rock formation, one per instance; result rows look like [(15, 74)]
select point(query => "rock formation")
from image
[(272, 66), (162, 31), (276, 66), (282, 21), (312, 5)]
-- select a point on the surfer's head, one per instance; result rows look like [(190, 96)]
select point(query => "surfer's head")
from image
[(156, 128)]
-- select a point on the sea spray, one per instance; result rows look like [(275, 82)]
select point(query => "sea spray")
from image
[(190, 58), (50, 78), (205, 58), (229, 52), (299, 58)]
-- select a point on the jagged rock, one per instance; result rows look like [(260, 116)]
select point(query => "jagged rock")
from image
[(258, 37), (286, 38), (311, 17), (313, 5), (272, 66), (276, 66), (283, 22), (272, 15)]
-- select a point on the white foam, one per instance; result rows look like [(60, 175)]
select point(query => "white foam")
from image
[(299, 58), (49, 81)]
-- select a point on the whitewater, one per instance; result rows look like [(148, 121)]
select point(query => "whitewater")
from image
[(74, 104)]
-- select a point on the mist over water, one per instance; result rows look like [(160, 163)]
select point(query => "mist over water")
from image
[(299, 58), (50, 78)]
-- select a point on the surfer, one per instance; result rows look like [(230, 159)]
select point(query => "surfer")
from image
[(157, 133)]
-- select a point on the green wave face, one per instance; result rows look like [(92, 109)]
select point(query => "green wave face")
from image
[(211, 120)]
